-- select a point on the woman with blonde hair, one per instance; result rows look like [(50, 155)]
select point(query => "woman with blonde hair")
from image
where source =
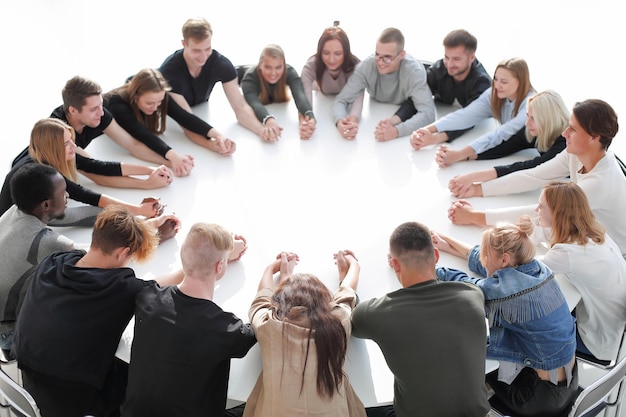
[(303, 330), (141, 107), (532, 333), (581, 250), (547, 119), (505, 101), (52, 143), (267, 83)]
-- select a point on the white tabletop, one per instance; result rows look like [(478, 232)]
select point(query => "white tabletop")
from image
[(311, 197)]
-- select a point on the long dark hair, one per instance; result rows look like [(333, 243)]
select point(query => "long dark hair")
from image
[(349, 59), (304, 295)]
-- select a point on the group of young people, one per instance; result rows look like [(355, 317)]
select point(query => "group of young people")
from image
[(302, 327)]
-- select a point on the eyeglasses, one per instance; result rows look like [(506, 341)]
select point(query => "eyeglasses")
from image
[(387, 59)]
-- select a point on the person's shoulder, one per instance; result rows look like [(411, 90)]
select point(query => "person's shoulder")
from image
[(105, 120), (174, 58), (479, 69), (58, 113), (413, 64), (310, 62)]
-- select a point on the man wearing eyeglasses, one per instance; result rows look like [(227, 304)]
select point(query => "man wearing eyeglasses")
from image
[(390, 75)]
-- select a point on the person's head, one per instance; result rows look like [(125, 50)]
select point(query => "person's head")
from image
[(272, 70), (564, 207), (146, 95), (505, 245), (39, 190), (82, 102), (511, 81), (119, 233), (389, 51), (52, 143), (459, 53), (205, 251), (547, 118), (592, 126), (333, 53), (411, 247), (304, 298), (197, 34)]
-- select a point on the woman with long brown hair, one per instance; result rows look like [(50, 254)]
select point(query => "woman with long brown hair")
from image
[(303, 331), (505, 101), (141, 107), (329, 69)]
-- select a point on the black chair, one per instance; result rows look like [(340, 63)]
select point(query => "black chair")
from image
[(590, 401)]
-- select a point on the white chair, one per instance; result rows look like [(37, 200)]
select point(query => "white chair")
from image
[(15, 399), (595, 398), (607, 365), (621, 352)]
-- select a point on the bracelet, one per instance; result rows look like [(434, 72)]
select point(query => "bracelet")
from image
[(266, 118)]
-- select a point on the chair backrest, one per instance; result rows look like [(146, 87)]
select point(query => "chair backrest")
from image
[(16, 398), (595, 397), (621, 352)]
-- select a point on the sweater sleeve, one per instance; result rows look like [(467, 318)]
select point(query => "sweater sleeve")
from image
[(185, 119), (557, 147), (356, 86), (94, 166), (467, 117), (251, 89), (82, 194), (125, 117), (413, 77), (556, 168), (511, 125), (308, 78), (297, 91)]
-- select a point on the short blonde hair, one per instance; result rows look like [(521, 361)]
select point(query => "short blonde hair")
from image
[(508, 238), (204, 245)]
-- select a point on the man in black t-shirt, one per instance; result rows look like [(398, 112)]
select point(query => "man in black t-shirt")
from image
[(186, 372), (193, 71)]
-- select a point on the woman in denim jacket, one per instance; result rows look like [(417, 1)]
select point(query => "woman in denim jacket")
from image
[(532, 332)]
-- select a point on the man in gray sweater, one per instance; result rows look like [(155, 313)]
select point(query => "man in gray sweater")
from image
[(39, 194), (389, 76)]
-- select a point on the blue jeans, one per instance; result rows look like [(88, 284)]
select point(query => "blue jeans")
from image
[(6, 340)]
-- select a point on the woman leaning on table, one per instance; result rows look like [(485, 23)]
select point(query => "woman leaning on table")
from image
[(586, 161), (547, 119), (270, 82), (505, 101), (141, 107), (531, 330), (329, 69), (581, 250), (303, 330), (52, 143)]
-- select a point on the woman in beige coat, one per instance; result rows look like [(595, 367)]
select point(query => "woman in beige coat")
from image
[(303, 331)]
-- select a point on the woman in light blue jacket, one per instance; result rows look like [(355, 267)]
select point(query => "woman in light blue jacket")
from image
[(505, 101)]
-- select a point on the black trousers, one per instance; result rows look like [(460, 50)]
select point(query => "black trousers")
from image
[(530, 396), (58, 397)]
